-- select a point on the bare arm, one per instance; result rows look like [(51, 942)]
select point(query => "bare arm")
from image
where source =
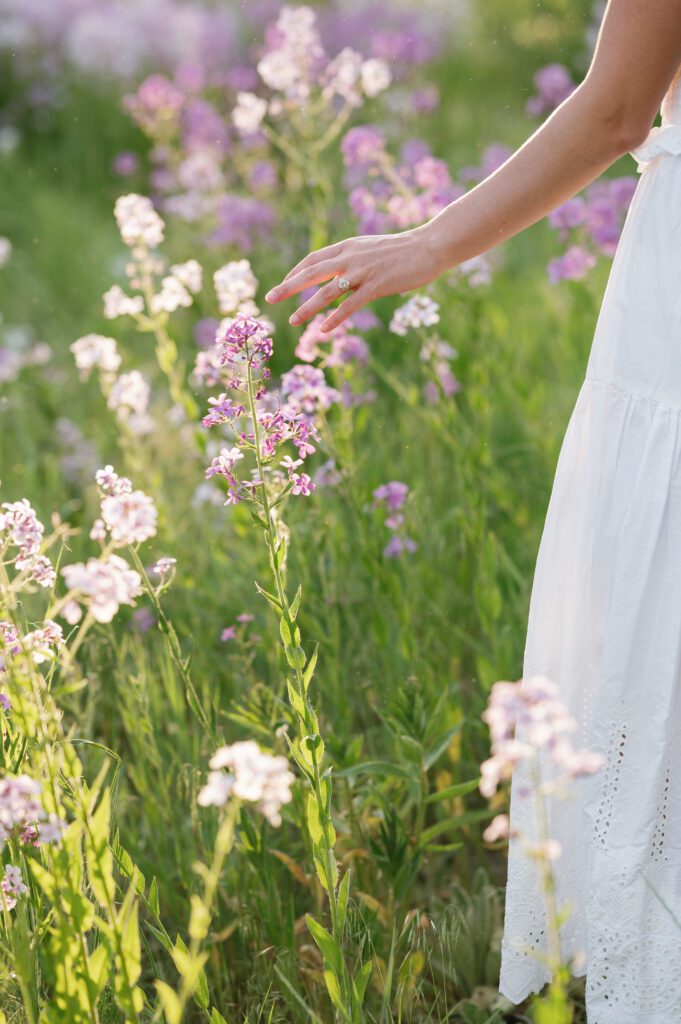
[(637, 54)]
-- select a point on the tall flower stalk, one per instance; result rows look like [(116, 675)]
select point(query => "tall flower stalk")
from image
[(245, 349), (528, 724)]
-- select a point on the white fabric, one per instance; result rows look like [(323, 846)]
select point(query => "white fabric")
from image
[(605, 624)]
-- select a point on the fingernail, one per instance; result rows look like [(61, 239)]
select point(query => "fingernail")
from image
[(294, 318), (271, 295)]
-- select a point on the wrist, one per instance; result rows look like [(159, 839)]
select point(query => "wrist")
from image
[(437, 245)]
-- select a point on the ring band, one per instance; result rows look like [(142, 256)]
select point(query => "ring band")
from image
[(343, 284)]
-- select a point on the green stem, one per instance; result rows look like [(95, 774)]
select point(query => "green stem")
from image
[(300, 684), (174, 648), (223, 844)]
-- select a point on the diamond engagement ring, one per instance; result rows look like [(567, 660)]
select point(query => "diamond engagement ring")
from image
[(343, 284)]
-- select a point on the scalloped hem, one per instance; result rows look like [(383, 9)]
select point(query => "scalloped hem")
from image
[(517, 994), (663, 139)]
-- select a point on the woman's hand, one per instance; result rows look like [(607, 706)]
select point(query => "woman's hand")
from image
[(375, 265)]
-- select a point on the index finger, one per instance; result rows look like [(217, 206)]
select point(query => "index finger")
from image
[(293, 283), (327, 252)]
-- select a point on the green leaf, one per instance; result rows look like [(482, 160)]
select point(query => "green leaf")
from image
[(309, 671), (458, 789), (342, 906), (130, 938), (328, 946), (329, 883), (296, 701), (454, 824), (169, 1002), (295, 656), (314, 825), (308, 744), (138, 881), (295, 603), (439, 746), (98, 856), (333, 988), (285, 632), (153, 898), (46, 881), (162, 937), (199, 919), (216, 1017), (280, 553), (294, 747), (376, 768), (257, 518), (359, 984), (270, 597)]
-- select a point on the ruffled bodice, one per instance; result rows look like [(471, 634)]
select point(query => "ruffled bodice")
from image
[(665, 137)]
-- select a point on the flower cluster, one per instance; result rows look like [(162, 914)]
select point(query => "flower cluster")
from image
[(20, 528), (388, 195), (251, 776), (39, 645), (527, 719), (245, 347), (418, 311), (12, 886), (102, 585), (296, 64), (22, 814), (142, 229), (590, 224), (438, 355), (391, 497), (235, 287), (95, 352)]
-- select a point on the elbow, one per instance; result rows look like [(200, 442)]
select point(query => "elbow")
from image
[(622, 125), (632, 133)]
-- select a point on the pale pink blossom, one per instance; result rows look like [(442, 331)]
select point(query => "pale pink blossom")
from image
[(103, 585), (131, 518)]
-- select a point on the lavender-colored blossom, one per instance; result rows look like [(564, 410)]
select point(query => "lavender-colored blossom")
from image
[(553, 84), (242, 221), (126, 163), (143, 619), (399, 545), (572, 265), (205, 331), (363, 145), (393, 495), (156, 105), (525, 718)]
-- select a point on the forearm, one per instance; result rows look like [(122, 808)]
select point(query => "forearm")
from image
[(567, 152)]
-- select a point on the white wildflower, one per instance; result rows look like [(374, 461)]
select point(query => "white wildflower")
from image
[(95, 351), (138, 221)]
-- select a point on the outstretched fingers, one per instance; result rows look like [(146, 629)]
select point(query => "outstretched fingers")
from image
[(354, 301), (321, 298), (314, 274)]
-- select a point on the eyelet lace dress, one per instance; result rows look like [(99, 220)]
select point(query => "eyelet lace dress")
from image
[(605, 624)]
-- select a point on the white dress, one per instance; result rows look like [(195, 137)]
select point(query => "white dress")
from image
[(605, 624)]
